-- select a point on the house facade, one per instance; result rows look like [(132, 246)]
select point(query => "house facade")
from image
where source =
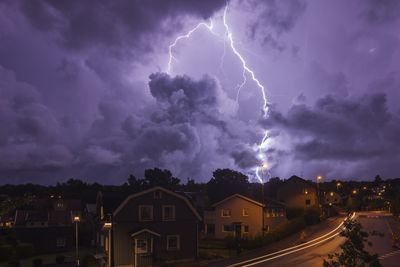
[(243, 217), (296, 192), (49, 224), (150, 228)]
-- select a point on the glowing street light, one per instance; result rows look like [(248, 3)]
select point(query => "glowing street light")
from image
[(76, 220), (354, 192), (338, 184)]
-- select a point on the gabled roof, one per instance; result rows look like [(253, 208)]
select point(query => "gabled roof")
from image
[(145, 230), (239, 196), (155, 189)]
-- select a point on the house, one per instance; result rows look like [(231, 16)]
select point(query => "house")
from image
[(296, 192), (332, 198), (155, 225), (48, 225), (243, 217)]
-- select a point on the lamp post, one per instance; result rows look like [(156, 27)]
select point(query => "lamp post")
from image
[(264, 167), (76, 219), (319, 178), (108, 226), (338, 184)]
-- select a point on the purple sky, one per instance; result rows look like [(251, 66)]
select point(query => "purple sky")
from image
[(84, 93)]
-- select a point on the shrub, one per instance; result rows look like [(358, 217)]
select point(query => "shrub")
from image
[(37, 262), (24, 250), (6, 252), (293, 213), (60, 259), (14, 263)]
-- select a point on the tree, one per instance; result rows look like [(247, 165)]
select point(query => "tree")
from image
[(353, 249), (158, 177), (226, 182)]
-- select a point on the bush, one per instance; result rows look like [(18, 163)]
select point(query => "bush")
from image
[(6, 252), (60, 259), (37, 262), (293, 213), (13, 263), (24, 250)]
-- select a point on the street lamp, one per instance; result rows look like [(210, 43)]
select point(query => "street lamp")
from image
[(319, 178), (108, 226), (76, 219), (264, 167), (338, 184)]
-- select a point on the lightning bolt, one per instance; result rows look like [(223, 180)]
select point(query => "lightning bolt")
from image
[(261, 147), (186, 36), (246, 70)]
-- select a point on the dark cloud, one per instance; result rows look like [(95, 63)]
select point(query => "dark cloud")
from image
[(80, 24), (336, 129), (381, 11), (274, 19)]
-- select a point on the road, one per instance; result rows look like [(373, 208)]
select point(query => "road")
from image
[(313, 252)]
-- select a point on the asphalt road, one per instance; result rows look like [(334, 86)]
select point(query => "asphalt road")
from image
[(315, 253)]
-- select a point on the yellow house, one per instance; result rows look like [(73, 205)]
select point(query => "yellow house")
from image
[(298, 193), (240, 216)]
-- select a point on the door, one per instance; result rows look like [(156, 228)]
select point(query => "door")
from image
[(238, 230), (143, 252)]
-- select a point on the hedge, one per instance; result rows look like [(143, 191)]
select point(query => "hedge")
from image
[(6, 252), (24, 250)]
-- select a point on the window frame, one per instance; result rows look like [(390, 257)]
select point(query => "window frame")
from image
[(244, 229), (226, 216), (141, 251), (228, 225), (151, 213), (178, 242), (245, 212), (163, 212), (61, 242)]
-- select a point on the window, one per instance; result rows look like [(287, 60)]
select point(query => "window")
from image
[(60, 242), (245, 212), (141, 246), (246, 229), (146, 213), (308, 202), (173, 242), (227, 228), (157, 194), (210, 229), (168, 213), (226, 213)]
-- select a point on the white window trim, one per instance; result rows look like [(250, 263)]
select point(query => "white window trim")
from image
[(243, 212), (140, 214), (223, 228), (163, 212), (226, 216), (178, 242), (141, 251)]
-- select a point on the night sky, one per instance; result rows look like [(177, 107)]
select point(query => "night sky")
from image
[(84, 89)]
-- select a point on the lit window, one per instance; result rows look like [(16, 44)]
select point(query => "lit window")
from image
[(226, 213), (141, 246), (245, 212), (173, 242), (168, 213), (146, 213), (246, 229), (60, 242)]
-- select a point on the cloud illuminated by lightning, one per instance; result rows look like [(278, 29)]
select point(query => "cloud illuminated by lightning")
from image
[(261, 147), (186, 36)]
